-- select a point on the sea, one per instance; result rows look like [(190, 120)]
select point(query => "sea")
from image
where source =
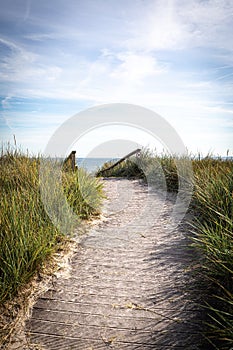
[(93, 164)]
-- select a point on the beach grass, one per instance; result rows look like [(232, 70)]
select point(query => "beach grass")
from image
[(28, 235), (213, 234), (146, 166), (211, 227)]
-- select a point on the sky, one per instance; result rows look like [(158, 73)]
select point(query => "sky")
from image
[(59, 57)]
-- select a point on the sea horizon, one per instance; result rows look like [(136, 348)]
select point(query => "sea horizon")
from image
[(92, 164)]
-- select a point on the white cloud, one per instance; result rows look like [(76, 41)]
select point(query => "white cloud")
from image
[(172, 25), (41, 36), (157, 28), (6, 102), (22, 66), (125, 53), (136, 67)]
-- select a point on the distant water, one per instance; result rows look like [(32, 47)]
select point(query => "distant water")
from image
[(92, 164)]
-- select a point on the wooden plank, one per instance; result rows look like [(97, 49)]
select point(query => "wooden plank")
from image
[(138, 150), (138, 292)]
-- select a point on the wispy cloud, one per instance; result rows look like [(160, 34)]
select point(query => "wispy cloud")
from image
[(173, 56), (172, 25)]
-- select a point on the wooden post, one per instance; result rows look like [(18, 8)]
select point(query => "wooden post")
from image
[(70, 162), (73, 165)]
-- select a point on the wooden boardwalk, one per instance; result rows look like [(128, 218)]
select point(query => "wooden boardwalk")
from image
[(130, 285)]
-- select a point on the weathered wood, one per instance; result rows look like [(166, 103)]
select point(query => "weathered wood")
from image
[(70, 161), (130, 285), (138, 150)]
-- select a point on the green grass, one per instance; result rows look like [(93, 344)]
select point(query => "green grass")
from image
[(158, 170), (212, 228), (213, 203), (27, 234)]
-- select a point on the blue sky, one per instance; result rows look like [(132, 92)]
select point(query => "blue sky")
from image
[(175, 57)]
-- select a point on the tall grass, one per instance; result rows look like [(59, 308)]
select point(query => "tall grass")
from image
[(213, 203), (212, 227), (27, 234)]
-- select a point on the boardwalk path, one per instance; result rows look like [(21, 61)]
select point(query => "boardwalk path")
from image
[(130, 285)]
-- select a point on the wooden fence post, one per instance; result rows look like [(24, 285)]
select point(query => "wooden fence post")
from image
[(70, 161), (73, 165)]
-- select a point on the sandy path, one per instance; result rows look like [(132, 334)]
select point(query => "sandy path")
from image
[(130, 285)]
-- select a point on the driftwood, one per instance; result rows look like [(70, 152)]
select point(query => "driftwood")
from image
[(138, 150)]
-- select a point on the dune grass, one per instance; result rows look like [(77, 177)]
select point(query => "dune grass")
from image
[(27, 234), (211, 226), (146, 166), (213, 203)]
